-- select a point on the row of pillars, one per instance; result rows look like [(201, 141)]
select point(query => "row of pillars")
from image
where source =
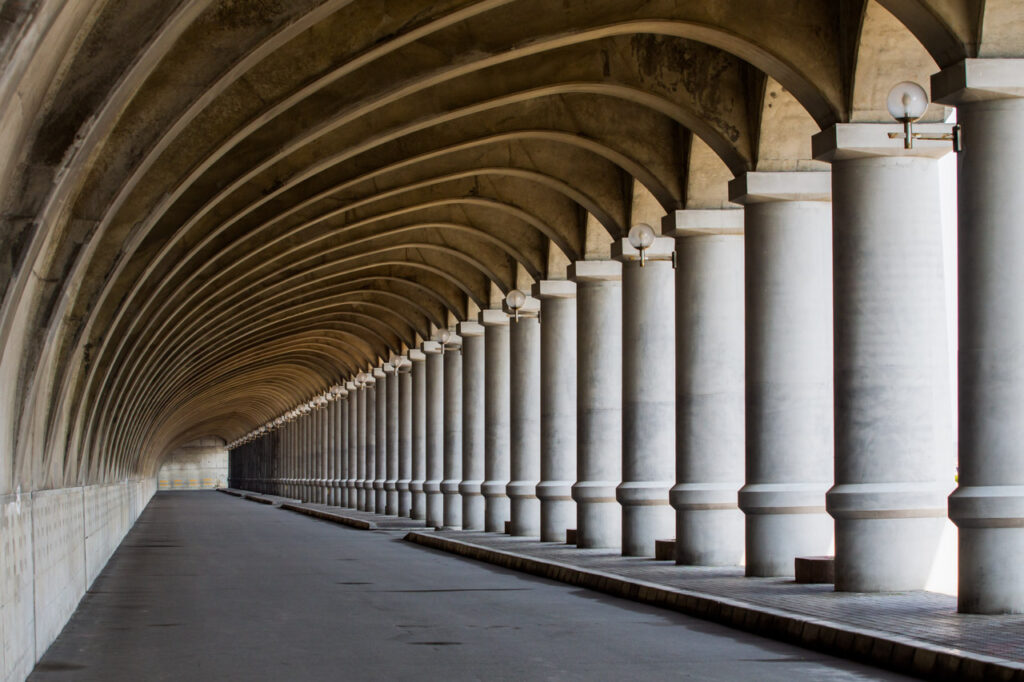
[(771, 380)]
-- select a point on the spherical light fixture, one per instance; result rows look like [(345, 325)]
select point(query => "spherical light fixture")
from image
[(907, 103), (641, 237), (515, 300)]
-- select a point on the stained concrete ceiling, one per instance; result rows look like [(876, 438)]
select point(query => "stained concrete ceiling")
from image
[(213, 209)]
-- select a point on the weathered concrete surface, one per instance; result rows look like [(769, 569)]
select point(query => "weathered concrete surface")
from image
[(210, 587), (53, 544)]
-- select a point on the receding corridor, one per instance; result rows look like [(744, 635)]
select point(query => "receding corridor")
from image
[(210, 587)]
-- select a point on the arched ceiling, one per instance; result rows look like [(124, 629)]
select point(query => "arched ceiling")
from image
[(214, 209)]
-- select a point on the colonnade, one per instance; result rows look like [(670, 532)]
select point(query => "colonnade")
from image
[(766, 380)]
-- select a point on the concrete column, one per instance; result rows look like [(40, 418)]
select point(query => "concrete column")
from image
[(524, 425), (361, 448), (710, 444), (352, 477), (370, 483), (330, 470), (648, 395), (324, 456), (404, 438), (788, 264), (391, 472), (306, 453), (599, 402), (988, 505), (557, 407), (380, 466), (342, 455), (497, 443), (893, 401), (470, 488), (452, 434), (418, 510), (434, 431)]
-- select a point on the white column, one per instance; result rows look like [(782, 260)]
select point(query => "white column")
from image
[(380, 466), (391, 422), (988, 505), (352, 477), (893, 410), (342, 470), (405, 438), (418, 510), (710, 422), (524, 425), (452, 434), (497, 436), (557, 407), (788, 261), (330, 480), (360, 490), (470, 488), (434, 434), (648, 395), (599, 402), (325, 454), (371, 444)]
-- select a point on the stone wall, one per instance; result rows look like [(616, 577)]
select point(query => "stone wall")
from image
[(53, 544), (200, 465)]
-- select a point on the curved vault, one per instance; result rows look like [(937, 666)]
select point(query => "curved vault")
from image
[(248, 201)]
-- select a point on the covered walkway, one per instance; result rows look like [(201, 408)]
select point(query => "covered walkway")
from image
[(207, 586)]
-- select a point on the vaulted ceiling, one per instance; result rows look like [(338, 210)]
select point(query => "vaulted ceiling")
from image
[(213, 209)]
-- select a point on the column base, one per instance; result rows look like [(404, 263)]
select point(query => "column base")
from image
[(774, 541), (557, 510), (418, 507), (391, 502), (496, 506), (991, 548), (434, 509), (525, 515), (598, 515), (646, 515), (784, 521), (885, 555), (404, 503)]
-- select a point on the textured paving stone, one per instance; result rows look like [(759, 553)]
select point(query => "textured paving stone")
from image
[(918, 632)]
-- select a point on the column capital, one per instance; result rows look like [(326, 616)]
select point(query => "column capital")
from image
[(756, 188), (698, 222), (554, 288), (595, 271), (369, 380), (470, 328), (431, 347), (351, 386), (976, 80), (493, 318), (416, 355), (378, 372), (661, 249), (844, 141), (388, 368)]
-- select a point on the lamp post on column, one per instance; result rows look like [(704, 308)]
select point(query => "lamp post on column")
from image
[(893, 399), (648, 388)]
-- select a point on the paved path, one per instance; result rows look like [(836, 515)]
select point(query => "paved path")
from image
[(211, 587)]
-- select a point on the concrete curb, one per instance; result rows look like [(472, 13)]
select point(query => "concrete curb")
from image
[(328, 516), (882, 649)]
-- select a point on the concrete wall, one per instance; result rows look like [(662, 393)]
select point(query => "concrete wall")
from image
[(199, 465), (53, 544)]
